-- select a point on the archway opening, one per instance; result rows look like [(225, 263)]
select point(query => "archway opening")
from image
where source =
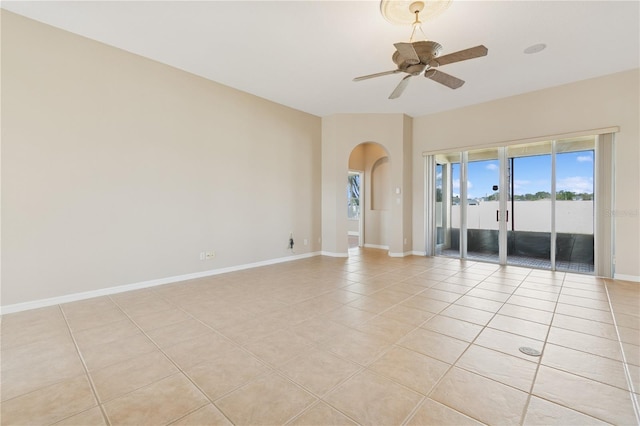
[(368, 197)]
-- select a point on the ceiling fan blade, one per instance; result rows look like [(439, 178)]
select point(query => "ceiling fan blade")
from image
[(444, 78), (380, 74), (407, 51), (400, 88), (461, 55)]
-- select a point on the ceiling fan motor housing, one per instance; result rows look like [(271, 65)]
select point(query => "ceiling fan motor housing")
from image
[(426, 51)]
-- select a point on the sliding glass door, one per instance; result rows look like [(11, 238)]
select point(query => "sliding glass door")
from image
[(447, 205), (482, 204), (530, 176), (574, 206), (528, 205)]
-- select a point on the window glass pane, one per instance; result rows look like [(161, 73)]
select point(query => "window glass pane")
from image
[(353, 197), (529, 205), (574, 208), (483, 175), (447, 204), (440, 207)]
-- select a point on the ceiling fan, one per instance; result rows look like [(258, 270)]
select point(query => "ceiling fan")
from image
[(415, 57)]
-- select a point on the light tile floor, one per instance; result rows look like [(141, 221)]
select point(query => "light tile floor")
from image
[(323, 341), (582, 267)]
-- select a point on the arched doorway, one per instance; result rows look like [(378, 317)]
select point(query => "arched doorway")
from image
[(368, 197)]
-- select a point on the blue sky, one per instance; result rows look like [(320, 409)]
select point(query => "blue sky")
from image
[(532, 174)]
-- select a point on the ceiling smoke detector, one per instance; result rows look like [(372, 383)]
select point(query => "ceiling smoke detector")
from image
[(401, 12)]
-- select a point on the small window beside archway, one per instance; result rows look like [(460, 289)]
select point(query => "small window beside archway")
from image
[(353, 195)]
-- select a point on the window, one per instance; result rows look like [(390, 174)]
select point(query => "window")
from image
[(353, 196)]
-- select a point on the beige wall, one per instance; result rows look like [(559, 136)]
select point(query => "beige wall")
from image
[(591, 104), (378, 203), (373, 160), (341, 133), (119, 170), (406, 195)]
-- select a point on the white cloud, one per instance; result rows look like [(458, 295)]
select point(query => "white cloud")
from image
[(456, 184), (575, 184), (585, 158), (492, 166)]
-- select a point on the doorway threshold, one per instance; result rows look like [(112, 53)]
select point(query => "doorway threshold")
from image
[(525, 261)]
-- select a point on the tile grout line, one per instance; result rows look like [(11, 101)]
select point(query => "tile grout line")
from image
[(539, 360), (426, 396), (321, 398), (271, 369), (539, 363), (627, 373), (276, 370), (472, 342), (86, 369), (365, 367), (180, 370), (460, 295)]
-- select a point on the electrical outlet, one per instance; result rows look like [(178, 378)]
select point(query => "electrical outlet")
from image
[(306, 242), (211, 254), (202, 255)]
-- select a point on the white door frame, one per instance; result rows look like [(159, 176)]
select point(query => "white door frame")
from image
[(604, 233)]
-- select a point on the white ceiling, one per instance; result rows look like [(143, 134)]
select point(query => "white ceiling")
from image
[(304, 54)]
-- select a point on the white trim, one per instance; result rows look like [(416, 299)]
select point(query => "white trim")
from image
[(503, 195), (553, 247), (404, 254), (362, 202), (353, 233), (376, 246), (331, 254), (18, 307), (634, 278), (418, 253), (430, 204), (592, 132), (464, 201)]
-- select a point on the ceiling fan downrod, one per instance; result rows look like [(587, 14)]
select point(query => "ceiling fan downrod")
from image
[(416, 7)]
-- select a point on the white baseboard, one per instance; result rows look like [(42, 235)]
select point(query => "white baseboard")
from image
[(353, 233), (623, 277), (332, 254), (419, 253), (376, 246), (35, 304), (391, 254)]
